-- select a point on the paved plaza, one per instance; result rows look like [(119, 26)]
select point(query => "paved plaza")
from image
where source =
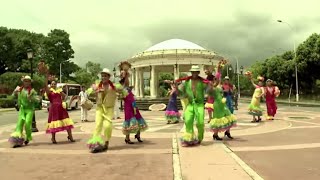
[(286, 148)]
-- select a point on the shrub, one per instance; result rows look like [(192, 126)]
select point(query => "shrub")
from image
[(8, 102), (10, 80), (3, 95)]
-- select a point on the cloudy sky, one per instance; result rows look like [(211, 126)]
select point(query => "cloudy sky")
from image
[(107, 31)]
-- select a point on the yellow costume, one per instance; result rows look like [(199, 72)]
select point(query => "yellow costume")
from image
[(104, 115)]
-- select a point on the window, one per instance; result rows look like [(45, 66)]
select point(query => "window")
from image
[(73, 90)]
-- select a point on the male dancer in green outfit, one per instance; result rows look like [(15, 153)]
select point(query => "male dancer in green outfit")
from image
[(26, 100), (194, 88)]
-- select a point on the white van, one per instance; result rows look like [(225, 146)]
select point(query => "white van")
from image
[(72, 96)]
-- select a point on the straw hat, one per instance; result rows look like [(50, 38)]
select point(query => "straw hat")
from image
[(106, 71), (26, 78), (195, 68)]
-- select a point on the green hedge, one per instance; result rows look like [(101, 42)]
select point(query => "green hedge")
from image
[(3, 95), (10, 80), (8, 102)]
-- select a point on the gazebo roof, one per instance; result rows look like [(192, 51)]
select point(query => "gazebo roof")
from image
[(174, 48), (174, 44)]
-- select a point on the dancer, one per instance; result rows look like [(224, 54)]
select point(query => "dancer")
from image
[(58, 119), (26, 101), (209, 104), (83, 98), (194, 89), (222, 119), (227, 93), (272, 92), (106, 93), (172, 113), (254, 107), (133, 121)]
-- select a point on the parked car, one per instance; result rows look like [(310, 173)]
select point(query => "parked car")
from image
[(38, 104), (46, 104)]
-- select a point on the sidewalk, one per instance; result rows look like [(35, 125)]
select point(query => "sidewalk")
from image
[(281, 101), (160, 150), (212, 160)]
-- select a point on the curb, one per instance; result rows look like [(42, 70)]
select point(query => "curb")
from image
[(7, 109), (177, 174), (244, 166)]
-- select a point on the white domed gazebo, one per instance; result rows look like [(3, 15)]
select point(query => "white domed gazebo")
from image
[(173, 56)]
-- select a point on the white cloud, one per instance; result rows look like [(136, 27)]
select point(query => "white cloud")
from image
[(113, 30)]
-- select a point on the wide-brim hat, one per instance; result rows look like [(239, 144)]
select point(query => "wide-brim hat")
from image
[(26, 78), (195, 68), (105, 71), (226, 78)]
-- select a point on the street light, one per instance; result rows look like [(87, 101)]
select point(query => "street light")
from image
[(114, 74), (241, 70), (295, 59), (238, 73), (30, 57)]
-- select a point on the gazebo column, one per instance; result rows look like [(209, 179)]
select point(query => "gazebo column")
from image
[(176, 71), (136, 80), (156, 83), (202, 73), (141, 83), (153, 85), (132, 81)]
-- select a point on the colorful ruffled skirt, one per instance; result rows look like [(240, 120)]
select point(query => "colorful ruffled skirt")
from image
[(17, 138), (255, 110), (134, 125), (58, 119), (223, 124), (189, 139), (172, 116)]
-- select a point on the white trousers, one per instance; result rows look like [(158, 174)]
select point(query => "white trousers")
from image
[(84, 114), (116, 110)]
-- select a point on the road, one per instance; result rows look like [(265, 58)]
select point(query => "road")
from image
[(10, 117), (285, 149)]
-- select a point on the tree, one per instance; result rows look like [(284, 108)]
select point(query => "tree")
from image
[(10, 80), (308, 59), (94, 69), (83, 77), (58, 51), (164, 86)]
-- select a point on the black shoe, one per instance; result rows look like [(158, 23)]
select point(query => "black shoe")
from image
[(26, 142), (97, 149), (16, 146), (127, 141), (106, 146), (138, 138), (216, 137), (54, 141), (228, 135), (71, 139)]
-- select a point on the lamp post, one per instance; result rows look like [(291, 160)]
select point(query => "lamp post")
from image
[(228, 69), (238, 73), (114, 74), (30, 57), (60, 71), (295, 59)]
